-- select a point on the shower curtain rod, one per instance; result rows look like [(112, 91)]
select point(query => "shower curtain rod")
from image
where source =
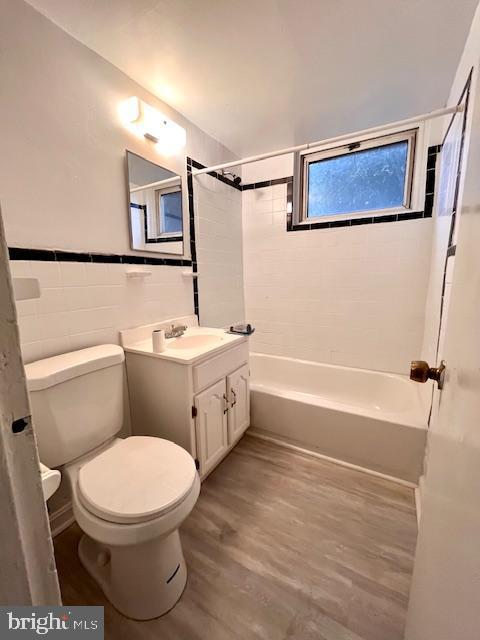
[(438, 113), (159, 183)]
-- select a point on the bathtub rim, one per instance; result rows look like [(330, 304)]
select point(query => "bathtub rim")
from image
[(329, 365), (335, 405), (353, 409)]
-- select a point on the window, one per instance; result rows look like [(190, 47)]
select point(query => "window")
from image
[(169, 211), (373, 176)]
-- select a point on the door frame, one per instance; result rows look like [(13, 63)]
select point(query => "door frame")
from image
[(444, 594), (29, 574)]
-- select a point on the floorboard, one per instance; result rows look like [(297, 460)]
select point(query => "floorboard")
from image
[(280, 545)]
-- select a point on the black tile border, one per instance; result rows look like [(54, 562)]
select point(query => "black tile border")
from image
[(55, 255), (267, 183), (452, 250), (214, 174), (141, 207), (193, 246), (353, 222), (427, 212), (240, 187)]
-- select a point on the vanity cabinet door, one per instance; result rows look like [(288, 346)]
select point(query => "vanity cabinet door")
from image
[(238, 391), (211, 426)]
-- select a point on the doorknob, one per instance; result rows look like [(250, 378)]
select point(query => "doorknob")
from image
[(420, 371)]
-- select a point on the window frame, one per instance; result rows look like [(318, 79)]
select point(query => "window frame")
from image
[(158, 210), (305, 158)]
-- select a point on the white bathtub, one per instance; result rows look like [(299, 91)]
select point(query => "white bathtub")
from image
[(366, 418)]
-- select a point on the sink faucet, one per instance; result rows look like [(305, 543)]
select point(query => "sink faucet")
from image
[(175, 331)]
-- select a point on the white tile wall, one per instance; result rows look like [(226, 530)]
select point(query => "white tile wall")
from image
[(218, 217), (349, 296), (83, 304)]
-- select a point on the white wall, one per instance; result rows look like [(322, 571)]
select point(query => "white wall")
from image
[(351, 296), (60, 124), (63, 186), (270, 169), (218, 217)]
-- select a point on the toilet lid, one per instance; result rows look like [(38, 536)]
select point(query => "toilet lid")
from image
[(136, 479)]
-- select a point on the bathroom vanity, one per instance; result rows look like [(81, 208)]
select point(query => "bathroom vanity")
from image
[(195, 393)]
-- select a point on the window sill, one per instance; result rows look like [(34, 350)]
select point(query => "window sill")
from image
[(355, 221), (164, 239), (371, 213)]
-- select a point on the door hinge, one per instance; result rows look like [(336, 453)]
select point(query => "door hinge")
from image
[(194, 412)]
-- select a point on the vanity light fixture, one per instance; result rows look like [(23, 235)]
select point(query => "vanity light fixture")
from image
[(146, 120)]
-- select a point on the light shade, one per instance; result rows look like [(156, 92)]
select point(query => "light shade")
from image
[(146, 120), (130, 110)]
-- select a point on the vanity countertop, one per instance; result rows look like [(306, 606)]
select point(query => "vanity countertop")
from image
[(196, 344)]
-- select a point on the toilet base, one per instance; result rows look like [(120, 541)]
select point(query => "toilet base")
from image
[(142, 581)]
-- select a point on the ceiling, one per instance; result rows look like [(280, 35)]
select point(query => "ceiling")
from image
[(264, 74)]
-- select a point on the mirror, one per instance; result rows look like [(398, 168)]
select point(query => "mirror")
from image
[(155, 206)]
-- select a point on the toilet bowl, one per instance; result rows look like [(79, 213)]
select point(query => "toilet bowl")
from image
[(129, 495), (129, 498)]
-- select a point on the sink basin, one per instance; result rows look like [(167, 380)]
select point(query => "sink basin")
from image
[(194, 342)]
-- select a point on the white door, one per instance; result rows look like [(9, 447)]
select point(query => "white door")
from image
[(445, 592), (238, 393), (211, 426)]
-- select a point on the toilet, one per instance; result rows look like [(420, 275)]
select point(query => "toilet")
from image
[(129, 495)]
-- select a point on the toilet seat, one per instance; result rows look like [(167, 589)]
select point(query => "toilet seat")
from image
[(137, 479)]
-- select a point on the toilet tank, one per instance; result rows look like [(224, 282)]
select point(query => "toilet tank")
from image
[(76, 400)]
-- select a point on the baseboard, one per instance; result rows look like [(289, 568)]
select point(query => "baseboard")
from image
[(315, 454), (61, 519)]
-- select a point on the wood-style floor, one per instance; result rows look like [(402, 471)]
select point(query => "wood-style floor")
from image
[(279, 546)]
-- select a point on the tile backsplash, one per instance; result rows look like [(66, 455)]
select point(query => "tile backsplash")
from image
[(83, 304)]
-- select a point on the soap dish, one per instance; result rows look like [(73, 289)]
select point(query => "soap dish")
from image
[(241, 329)]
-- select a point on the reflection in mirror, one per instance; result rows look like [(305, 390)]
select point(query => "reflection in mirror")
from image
[(155, 206)]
